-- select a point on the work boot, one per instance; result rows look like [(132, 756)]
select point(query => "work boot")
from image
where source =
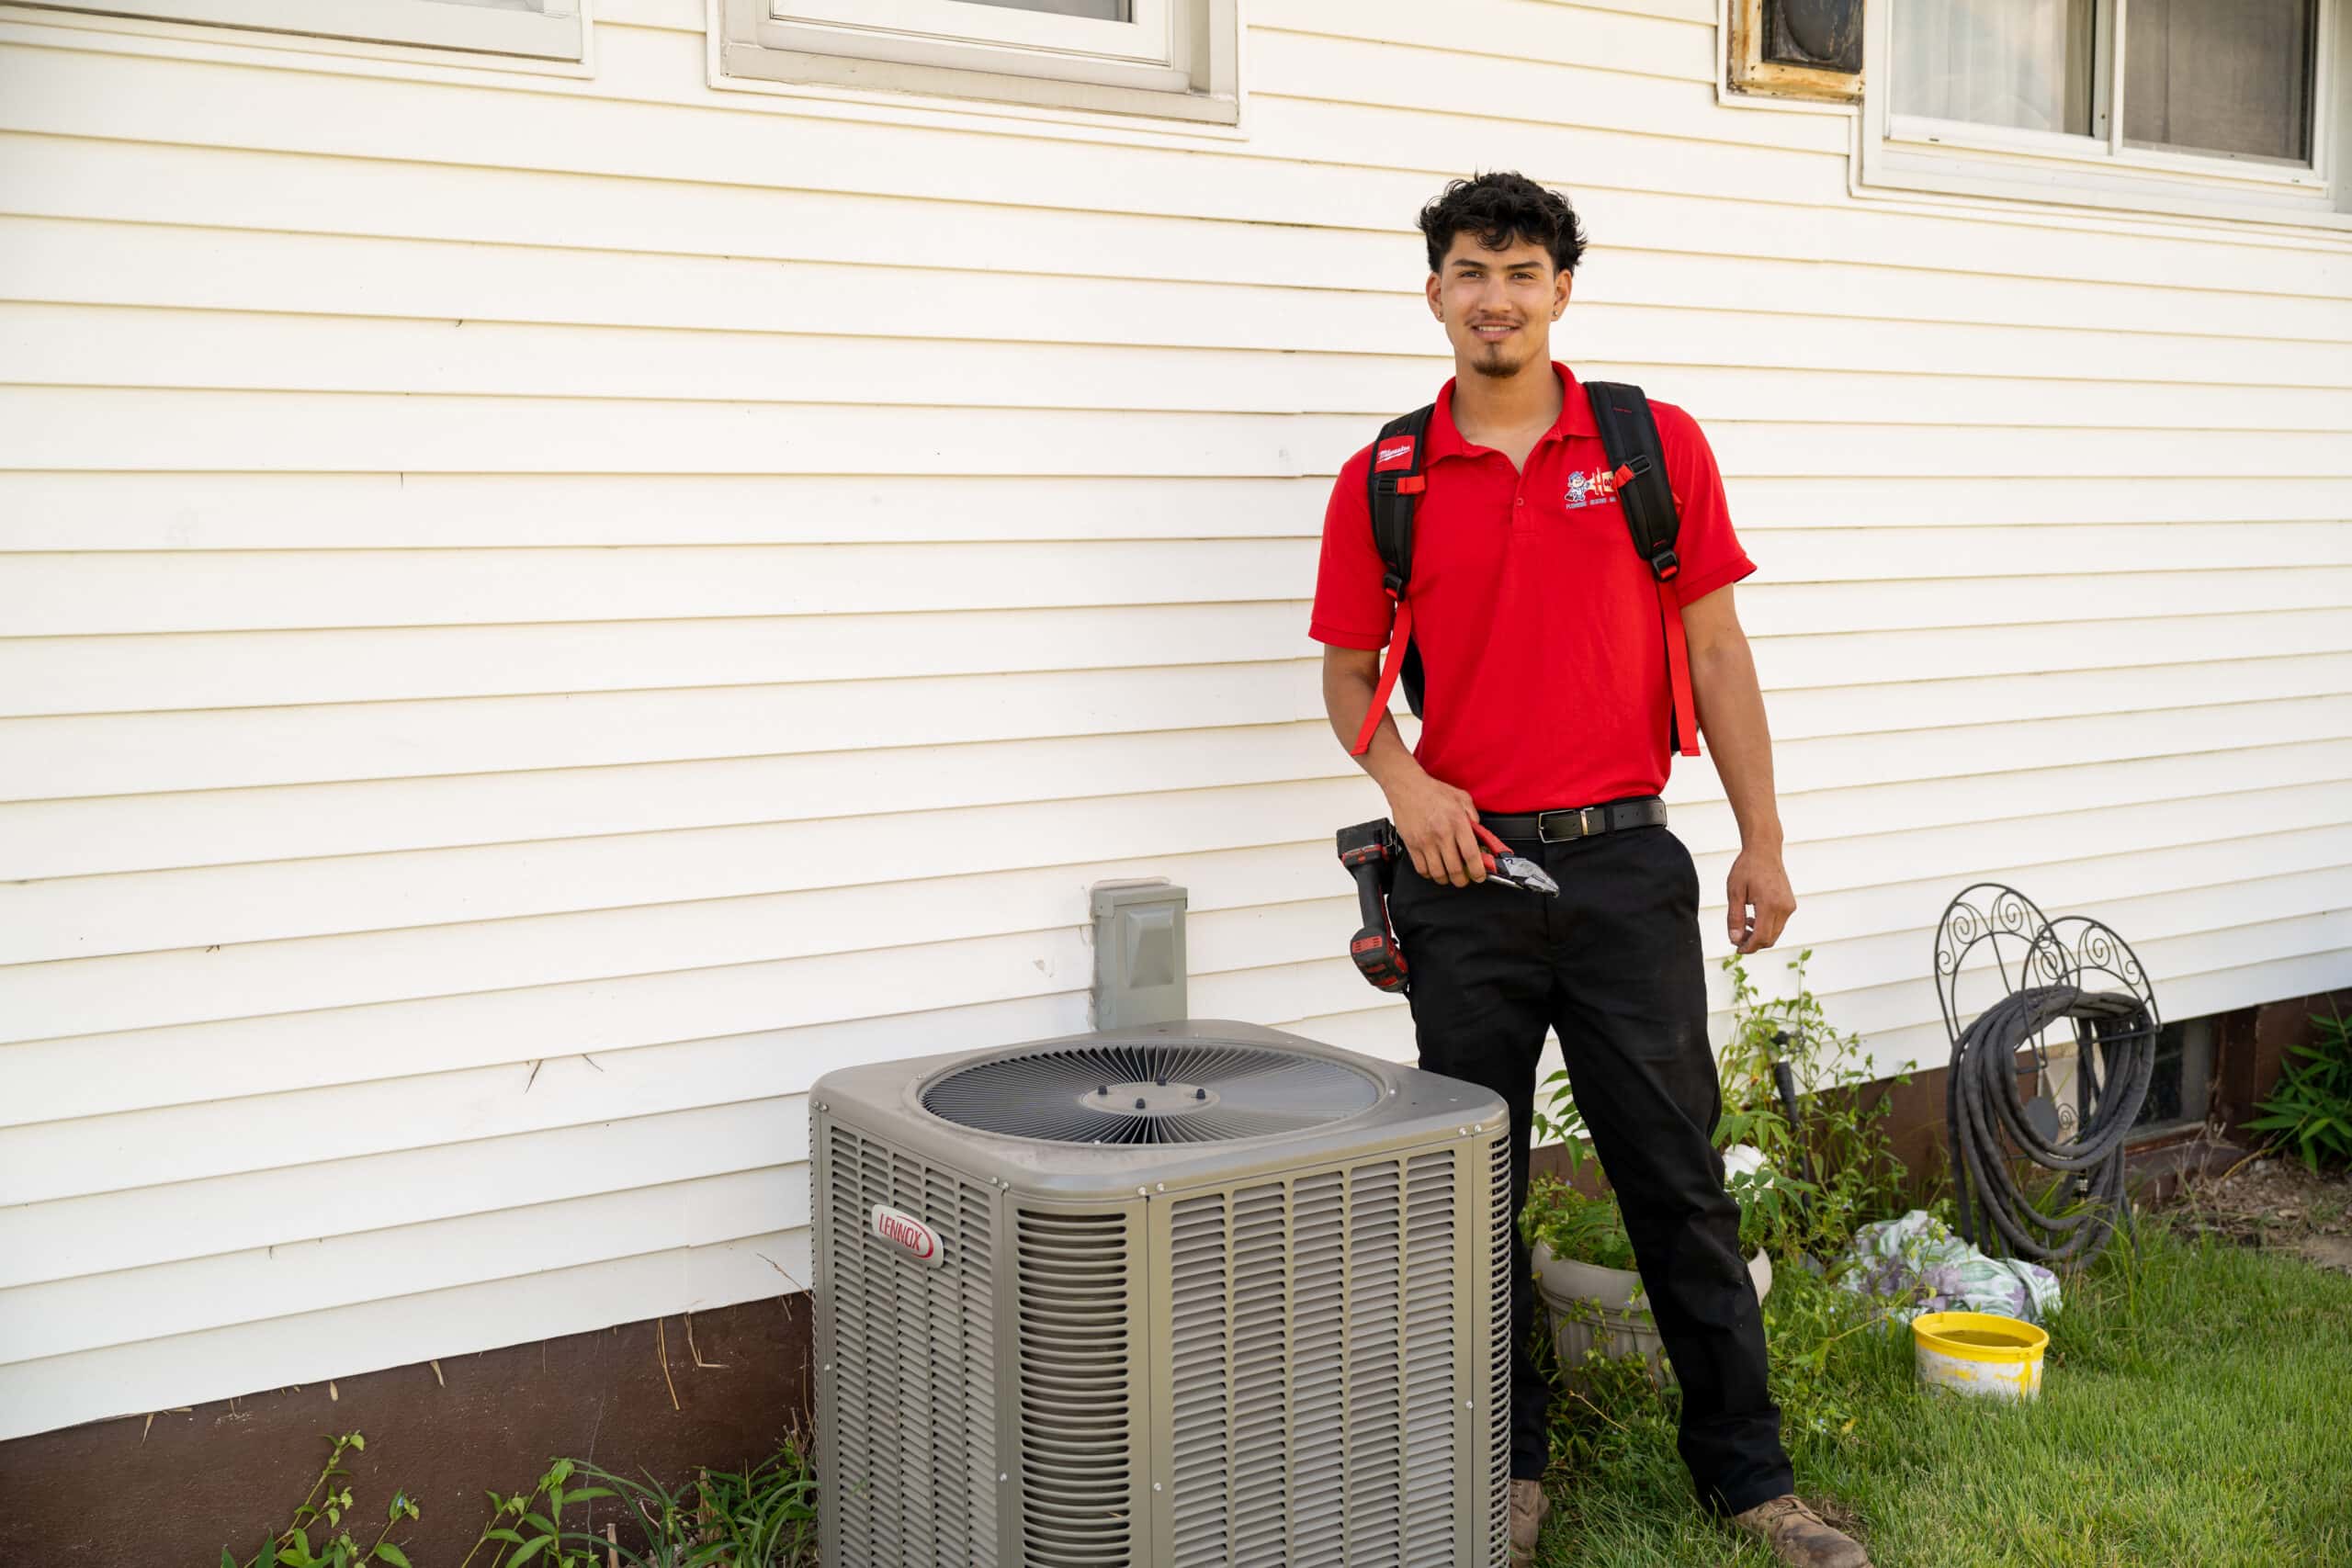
[(1528, 1506), (1798, 1535)]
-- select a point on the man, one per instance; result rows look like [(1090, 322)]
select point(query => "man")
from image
[(1539, 631)]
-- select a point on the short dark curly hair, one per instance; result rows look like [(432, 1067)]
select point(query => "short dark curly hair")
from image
[(1502, 207)]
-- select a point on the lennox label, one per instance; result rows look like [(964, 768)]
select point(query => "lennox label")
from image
[(909, 1235)]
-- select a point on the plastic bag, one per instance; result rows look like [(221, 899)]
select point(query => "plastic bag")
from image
[(1916, 1264)]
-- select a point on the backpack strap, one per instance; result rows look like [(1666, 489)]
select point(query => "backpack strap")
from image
[(1392, 484), (1629, 435)]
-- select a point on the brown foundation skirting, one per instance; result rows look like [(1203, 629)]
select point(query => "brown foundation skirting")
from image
[(180, 1487)]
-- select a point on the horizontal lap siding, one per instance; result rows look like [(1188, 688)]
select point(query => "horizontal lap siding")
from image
[(538, 616)]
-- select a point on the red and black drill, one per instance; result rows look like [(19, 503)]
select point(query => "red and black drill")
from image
[(1371, 849)]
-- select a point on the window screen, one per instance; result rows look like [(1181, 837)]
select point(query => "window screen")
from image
[(2221, 76), (2027, 63)]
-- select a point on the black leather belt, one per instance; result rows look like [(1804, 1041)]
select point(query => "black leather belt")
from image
[(1579, 821)]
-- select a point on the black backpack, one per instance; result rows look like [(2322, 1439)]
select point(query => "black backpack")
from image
[(1394, 483)]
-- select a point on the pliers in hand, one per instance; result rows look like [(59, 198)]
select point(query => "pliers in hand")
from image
[(1513, 870)]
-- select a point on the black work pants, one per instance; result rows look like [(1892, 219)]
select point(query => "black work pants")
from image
[(1614, 965)]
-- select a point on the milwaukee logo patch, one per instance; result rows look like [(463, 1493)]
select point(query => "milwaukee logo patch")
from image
[(1392, 456)]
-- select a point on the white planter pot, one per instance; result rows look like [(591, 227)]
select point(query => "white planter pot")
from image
[(1599, 1308)]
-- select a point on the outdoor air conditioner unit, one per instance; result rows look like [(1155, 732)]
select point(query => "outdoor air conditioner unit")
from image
[(1174, 1296)]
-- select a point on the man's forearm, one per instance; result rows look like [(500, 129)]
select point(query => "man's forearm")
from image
[(1347, 697), (1731, 715), (1435, 820)]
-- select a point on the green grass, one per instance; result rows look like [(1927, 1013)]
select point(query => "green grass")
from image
[(2196, 1408)]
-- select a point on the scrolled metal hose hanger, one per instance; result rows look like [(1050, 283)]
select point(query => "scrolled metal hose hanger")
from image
[(2070, 970)]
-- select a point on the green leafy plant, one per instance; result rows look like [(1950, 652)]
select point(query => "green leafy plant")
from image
[(1557, 1121), (2310, 1110), (761, 1517), (673, 1526), (1770, 1206), (766, 1514), (1576, 1225), (1809, 1322), (1856, 1175), (327, 1506), (522, 1529)]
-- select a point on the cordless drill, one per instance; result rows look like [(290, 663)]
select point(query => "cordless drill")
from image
[(1369, 851)]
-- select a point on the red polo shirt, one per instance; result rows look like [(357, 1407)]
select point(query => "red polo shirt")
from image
[(1538, 624)]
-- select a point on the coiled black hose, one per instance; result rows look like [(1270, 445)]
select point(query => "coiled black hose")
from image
[(2115, 1059)]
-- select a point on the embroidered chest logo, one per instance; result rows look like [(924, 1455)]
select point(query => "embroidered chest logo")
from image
[(1584, 490)]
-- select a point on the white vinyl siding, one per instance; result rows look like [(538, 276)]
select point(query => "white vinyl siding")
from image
[(539, 615)]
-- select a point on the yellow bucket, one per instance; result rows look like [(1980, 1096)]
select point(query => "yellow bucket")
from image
[(1976, 1352)]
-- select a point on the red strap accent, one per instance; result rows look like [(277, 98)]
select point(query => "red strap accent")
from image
[(1399, 636), (1677, 670), (1411, 484)]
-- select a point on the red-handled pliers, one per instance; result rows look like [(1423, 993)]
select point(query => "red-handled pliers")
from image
[(1513, 870)]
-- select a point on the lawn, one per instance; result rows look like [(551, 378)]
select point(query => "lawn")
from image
[(2196, 1408)]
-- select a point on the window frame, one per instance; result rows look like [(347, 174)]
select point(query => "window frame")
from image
[(916, 28), (1749, 71), (1175, 60), (557, 31), (1918, 152), (2198, 1057)]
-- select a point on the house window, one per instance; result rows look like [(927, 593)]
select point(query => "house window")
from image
[(1172, 59), (2181, 1088), (1797, 49), (2232, 77), (537, 29), (2227, 107)]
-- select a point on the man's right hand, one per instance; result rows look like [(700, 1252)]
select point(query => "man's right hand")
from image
[(1430, 816), (1434, 820)]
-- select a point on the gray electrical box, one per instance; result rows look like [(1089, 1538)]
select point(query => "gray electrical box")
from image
[(1138, 953)]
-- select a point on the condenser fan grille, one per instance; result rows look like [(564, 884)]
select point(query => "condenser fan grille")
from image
[(1176, 1093)]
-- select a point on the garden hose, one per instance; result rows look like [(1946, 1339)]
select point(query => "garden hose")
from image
[(2115, 1059)]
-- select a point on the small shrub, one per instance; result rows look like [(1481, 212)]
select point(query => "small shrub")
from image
[(1856, 1175), (2310, 1110)]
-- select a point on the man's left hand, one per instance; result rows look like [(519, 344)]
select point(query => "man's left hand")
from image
[(1761, 900)]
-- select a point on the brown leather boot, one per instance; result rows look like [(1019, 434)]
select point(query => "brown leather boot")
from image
[(1528, 1506), (1798, 1535)]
